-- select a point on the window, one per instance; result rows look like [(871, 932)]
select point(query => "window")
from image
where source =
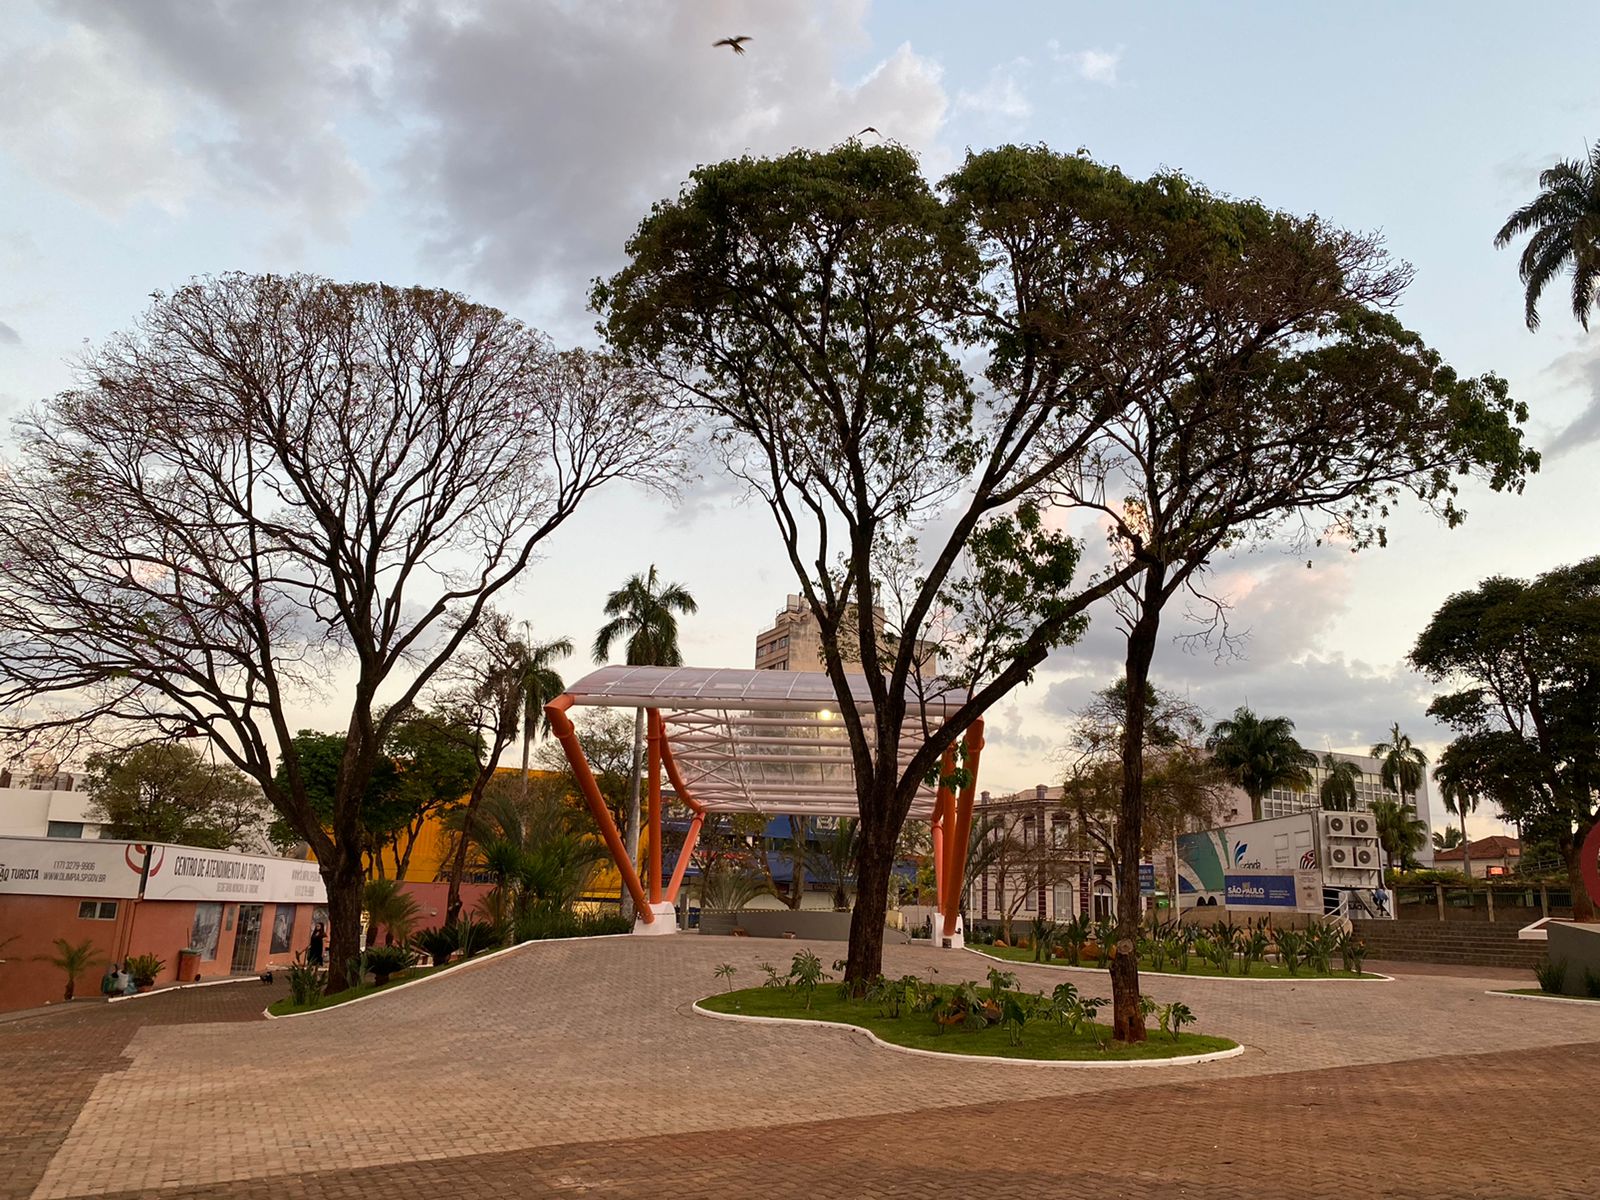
[(97, 910), (64, 829), (282, 928), (207, 929)]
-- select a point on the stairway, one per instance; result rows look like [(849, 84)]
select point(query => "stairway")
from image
[(1471, 943)]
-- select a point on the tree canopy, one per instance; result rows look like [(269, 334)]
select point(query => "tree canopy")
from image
[(168, 792), (1523, 660)]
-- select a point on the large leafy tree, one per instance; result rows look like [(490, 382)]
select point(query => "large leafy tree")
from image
[(168, 792), (1522, 658), (642, 616), (817, 309), (1260, 384), (1259, 754), (1564, 223), (273, 482)]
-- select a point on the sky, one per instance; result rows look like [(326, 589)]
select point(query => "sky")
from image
[(507, 150)]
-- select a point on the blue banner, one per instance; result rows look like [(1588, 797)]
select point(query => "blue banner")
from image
[(1261, 891), (1147, 879)]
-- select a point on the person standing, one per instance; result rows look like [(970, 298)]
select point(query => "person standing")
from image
[(319, 938)]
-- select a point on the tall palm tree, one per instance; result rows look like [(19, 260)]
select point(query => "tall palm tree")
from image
[(1260, 754), (387, 905), (1448, 840), (1400, 831), (539, 683), (1339, 783), (1564, 219), (643, 616), (1460, 795), (1401, 766)]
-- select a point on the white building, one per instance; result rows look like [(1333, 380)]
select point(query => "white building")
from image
[(1282, 802), (41, 801)]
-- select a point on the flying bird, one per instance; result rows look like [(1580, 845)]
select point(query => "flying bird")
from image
[(870, 129), (736, 44)]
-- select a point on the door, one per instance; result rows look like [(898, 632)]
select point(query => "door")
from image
[(247, 939)]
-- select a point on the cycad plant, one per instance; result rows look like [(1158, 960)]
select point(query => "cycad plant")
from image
[(391, 907)]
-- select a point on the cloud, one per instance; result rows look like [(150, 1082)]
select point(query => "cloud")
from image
[(1001, 98), (1095, 65), (546, 131), (195, 100), (1582, 368), (9, 336)]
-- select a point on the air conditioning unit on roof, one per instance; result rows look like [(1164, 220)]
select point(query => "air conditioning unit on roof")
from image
[(1336, 824), (1340, 857), (1366, 857)]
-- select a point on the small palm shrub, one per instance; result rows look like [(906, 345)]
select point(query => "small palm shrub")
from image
[(474, 937), (144, 968), (438, 943), (1075, 936), (383, 961), (1353, 952), (725, 972), (1291, 947), (1105, 941), (1174, 1017), (74, 960), (1552, 975), (806, 973)]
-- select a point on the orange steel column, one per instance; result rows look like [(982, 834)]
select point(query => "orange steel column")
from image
[(561, 726), (695, 806), (956, 843), (655, 737)]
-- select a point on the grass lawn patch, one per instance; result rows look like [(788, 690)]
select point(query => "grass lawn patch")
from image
[(1197, 967), (1042, 1040), (287, 1007)]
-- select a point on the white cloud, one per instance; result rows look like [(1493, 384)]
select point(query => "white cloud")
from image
[(1096, 65), (1001, 97)]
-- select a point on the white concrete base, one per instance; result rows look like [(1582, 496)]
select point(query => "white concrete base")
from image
[(958, 942), (666, 920)]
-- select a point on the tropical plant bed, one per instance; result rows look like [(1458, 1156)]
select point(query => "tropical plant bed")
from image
[(1197, 967), (1042, 1040), (286, 1007)]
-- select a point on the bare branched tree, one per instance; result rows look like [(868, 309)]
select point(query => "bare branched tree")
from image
[(275, 483)]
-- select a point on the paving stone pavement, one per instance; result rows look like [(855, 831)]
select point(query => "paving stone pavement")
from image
[(577, 1068)]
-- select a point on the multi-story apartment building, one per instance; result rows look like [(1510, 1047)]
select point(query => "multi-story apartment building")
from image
[(794, 642), (39, 800), (1283, 802)]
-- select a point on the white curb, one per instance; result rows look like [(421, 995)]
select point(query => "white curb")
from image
[(1547, 999), (951, 1056), (183, 987), (433, 975)]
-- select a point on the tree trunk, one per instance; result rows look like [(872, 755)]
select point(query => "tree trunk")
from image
[(1127, 1020), (1466, 847), (874, 867), (527, 748), (632, 837), (343, 878)]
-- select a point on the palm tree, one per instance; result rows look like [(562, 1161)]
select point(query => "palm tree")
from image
[(1448, 840), (1400, 831), (539, 683), (389, 906), (1260, 754), (834, 858), (1401, 766), (74, 960), (644, 616), (1460, 796), (1565, 221), (1339, 783)]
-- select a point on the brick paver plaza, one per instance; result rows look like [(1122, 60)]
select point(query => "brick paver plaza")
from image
[(577, 1069)]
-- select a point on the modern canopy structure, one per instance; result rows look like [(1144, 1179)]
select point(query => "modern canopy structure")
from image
[(764, 742)]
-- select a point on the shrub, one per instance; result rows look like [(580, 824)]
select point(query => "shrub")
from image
[(144, 968), (384, 961), (1353, 951), (1552, 975), (1291, 945), (805, 973), (726, 972), (306, 981), (438, 943), (1591, 982), (474, 937), (1174, 1017)]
